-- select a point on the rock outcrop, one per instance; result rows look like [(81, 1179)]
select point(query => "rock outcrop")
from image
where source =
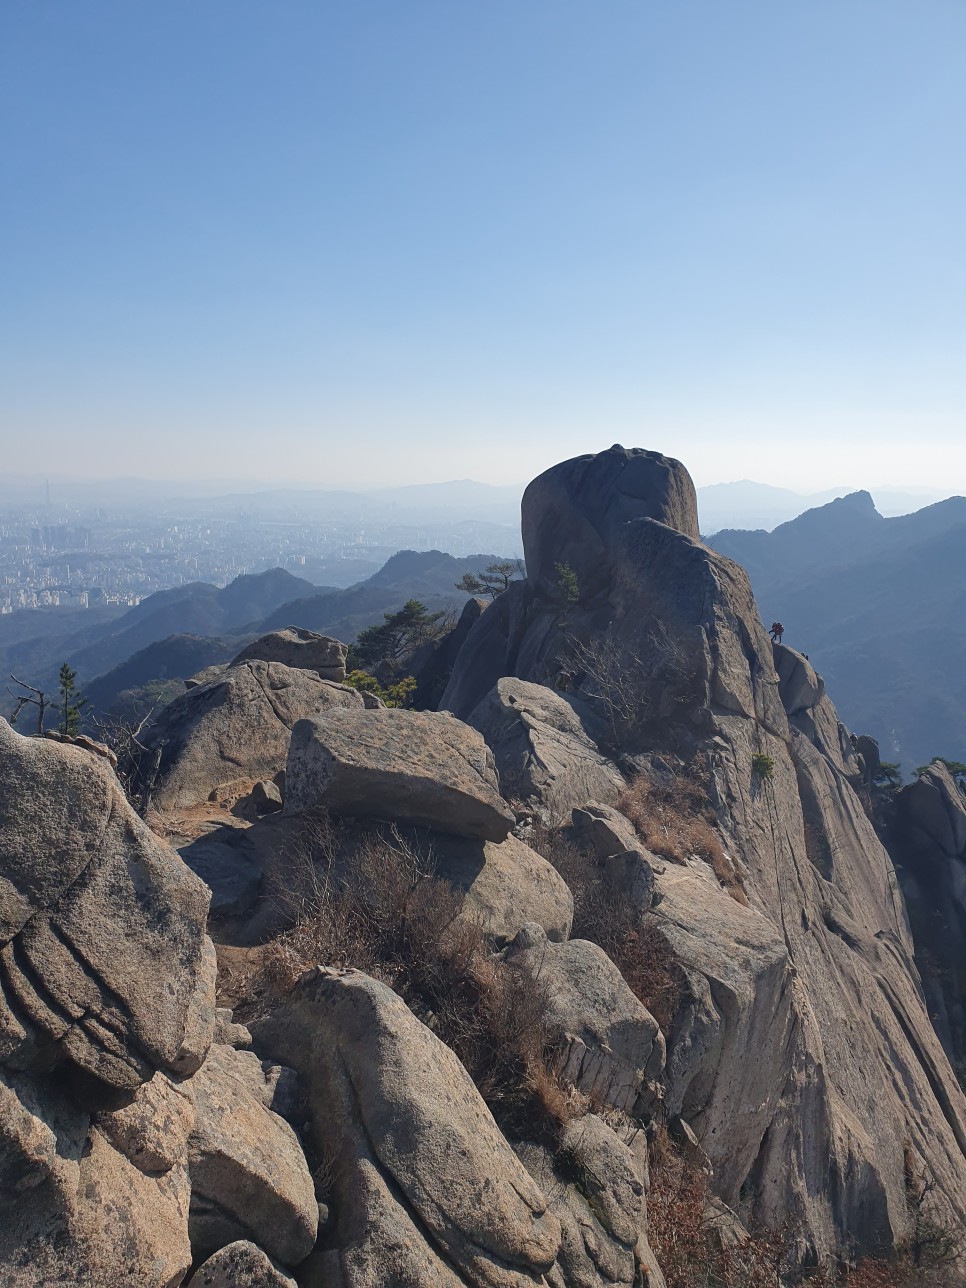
[(301, 649), (418, 767), (427, 1190), (235, 727), (544, 755), (822, 947), (608, 1045), (118, 1116), (927, 838)]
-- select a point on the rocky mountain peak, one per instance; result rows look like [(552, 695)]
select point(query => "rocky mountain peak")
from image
[(572, 512)]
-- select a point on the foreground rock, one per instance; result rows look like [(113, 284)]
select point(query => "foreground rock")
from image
[(418, 767), (597, 1193), (425, 1180), (236, 727), (543, 753), (105, 961), (239, 1265), (609, 1045), (302, 649)]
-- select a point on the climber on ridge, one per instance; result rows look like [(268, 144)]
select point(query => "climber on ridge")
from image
[(777, 631)]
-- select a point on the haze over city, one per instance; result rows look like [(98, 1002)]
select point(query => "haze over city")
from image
[(363, 245)]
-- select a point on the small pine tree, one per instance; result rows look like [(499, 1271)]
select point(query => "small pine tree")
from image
[(567, 582), (493, 580), (72, 703)]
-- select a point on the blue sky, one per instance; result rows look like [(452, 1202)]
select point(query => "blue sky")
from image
[(380, 242)]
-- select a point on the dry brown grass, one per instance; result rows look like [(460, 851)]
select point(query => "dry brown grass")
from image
[(379, 907), (676, 822), (682, 1234), (634, 944)]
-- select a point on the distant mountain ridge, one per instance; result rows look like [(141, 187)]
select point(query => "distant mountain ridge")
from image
[(879, 606)]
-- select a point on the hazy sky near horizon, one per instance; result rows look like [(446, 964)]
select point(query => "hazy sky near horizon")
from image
[(380, 242)]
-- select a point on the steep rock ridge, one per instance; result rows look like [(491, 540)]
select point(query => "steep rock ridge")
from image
[(812, 1127), (927, 838), (117, 1108)]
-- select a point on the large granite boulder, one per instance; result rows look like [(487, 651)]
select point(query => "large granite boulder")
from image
[(609, 1046), (301, 649), (249, 1177), (504, 885), (426, 1191), (85, 1213), (573, 512), (544, 755), (236, 726), (420, 767), (104, 959), (106, 985)]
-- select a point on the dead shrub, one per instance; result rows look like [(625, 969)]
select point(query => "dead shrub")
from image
[(377, 905), (675, 820), (633, 943), (681, 1231)]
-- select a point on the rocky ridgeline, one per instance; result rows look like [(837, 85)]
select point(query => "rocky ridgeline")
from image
[(335, 1139)]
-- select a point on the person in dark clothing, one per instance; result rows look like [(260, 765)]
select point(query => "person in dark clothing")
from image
[(777, 631)]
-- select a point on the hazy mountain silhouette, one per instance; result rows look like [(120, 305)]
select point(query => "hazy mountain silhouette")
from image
[(879, 606)]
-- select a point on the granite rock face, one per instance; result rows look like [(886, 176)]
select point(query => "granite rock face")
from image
[(301, 649), (927, 839), (420, 767), (544, 755), (104, 960), (609, 1046), (427, 1191), (235, 727), (118, 1115), (822, 947)]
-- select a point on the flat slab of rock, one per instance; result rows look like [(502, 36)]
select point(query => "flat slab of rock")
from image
[(300, 648), (421, 767)]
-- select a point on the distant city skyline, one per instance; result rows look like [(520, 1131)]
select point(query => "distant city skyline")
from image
[(378, 244)]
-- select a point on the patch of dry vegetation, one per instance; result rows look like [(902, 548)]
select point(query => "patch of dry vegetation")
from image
[(675, 820), (684, 1235), (634, 944), (376, 905)]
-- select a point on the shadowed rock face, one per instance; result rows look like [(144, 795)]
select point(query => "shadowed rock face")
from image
[(572, 512), (104, 959), (799, 1121), (927, 838)]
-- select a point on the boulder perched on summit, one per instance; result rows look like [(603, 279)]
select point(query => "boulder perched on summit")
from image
[(419, 767), (573, 512), (237, 726), (302, 649)]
